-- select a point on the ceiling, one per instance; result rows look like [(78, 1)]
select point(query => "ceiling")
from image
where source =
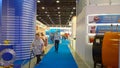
[(56, 12)]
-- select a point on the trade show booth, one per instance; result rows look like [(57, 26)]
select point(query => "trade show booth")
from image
[(93, 23)]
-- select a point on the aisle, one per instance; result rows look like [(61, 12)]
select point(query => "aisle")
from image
[(62, 59)]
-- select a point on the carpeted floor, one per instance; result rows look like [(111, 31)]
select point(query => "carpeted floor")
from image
[(62, 59)]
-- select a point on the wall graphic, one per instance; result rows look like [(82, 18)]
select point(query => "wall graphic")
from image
[(99, 24)]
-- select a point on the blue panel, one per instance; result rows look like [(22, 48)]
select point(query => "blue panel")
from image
[(108, 18), (2, 47), (103, 29), (51, 34)]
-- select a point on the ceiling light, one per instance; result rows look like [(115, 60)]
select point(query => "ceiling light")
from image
[(38, 1), (58, 7), (48, 15), (46, 12), (43, 7), (71, 12), (57, 1), (58, 12), (59, 15), (74, 8)]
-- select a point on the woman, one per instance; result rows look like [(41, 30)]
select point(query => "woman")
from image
[(37, 47)]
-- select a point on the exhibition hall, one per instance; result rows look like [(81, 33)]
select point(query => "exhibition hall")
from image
[(59, 34)]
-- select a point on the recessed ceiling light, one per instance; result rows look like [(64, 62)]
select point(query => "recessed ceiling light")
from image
[(46, 12), (58, 12), (38, 1), (59, 15), (71, 12), (58, 7), (57, 1), (48, 15), (43, 7), (74, 8)]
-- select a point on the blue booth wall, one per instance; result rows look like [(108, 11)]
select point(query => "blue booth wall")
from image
[(50, 34)]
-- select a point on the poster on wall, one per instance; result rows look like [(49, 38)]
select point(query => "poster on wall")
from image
[(99, 24), (103, 23), (92, 29), (101, 29), (104, 19)]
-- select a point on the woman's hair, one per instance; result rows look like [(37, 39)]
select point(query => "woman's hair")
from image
[(37, 34), (42, 34)]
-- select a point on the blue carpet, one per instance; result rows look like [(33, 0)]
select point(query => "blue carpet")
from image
[(19, 63), (62, 59)]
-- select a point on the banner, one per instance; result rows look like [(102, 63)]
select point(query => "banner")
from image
[(104, 19)]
